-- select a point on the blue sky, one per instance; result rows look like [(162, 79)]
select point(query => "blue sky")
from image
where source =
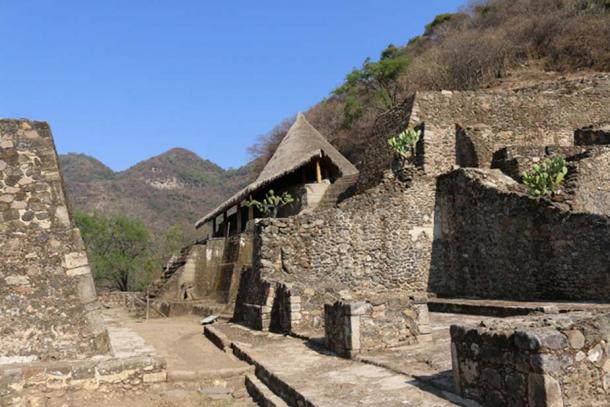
[(125, 80)]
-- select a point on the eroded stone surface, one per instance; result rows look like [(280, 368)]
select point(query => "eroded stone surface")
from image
[(47, 299), (551, 361)]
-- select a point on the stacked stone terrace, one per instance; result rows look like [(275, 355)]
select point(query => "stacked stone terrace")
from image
[(385, 248), (47, 297), (52, 336)]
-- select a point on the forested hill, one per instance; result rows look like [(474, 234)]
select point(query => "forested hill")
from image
[(176, 187)]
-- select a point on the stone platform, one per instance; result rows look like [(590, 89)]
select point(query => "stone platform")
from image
[(131, 364), (504, 308), (300, 372)]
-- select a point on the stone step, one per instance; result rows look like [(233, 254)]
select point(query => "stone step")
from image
[(280, 388), (180, 376), (334, 191), (301, 374), (261, 394)]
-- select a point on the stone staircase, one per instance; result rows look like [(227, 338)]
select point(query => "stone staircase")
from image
[(290, 371), (173, 265), (337, 191)]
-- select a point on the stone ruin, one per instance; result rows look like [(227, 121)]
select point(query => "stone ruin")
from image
[(52, 336), (546, 361), (361, 273)]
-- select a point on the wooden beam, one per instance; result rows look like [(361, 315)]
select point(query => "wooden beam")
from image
[(318, 171)]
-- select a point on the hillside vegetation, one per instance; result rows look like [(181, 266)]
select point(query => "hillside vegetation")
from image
[(174, 188), (460, 51)]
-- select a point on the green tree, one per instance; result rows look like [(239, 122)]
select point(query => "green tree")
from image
[(120, 249), (375, 82)]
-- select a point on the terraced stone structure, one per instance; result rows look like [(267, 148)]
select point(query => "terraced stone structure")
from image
[(52, 336), (466, 128), (373, 248), (494, 241), (47, 297)]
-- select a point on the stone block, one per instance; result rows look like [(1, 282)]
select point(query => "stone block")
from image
[(553, 340), (76, 259), (544, 391), (527, 340), (576, 339), (79, 271), (86, 288)]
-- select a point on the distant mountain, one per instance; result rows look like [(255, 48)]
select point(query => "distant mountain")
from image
[(177, 186)]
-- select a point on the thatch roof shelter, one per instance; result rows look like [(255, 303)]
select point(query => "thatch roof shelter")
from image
[(301, 145)]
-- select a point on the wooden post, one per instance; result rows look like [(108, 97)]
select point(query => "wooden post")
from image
[(318, 171), (250, 210), (225, 229), (238, 218), (213, 226), (147, 304)]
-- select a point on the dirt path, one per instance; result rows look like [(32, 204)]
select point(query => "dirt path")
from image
[(180, 341), (199, 374)]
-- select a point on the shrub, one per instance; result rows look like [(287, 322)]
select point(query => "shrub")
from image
[(272, 203), (545, 179), (404, 143)]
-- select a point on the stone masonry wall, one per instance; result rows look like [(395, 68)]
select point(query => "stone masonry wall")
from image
[(356, 327), (48, 304), (592, 173), (515, 160), (379, 157), (586, 187), (512, 118), (377, 242), (494, 241), (557, 361)]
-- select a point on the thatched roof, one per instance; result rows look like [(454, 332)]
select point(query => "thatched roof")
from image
[(301, 144)]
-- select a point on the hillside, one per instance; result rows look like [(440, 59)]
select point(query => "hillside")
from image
[(488, 43), (506, 45), (174, 187)]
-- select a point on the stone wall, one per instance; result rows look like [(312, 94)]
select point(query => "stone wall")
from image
[(507, 119), (592, 173), (515, 160), (48, 304), (376, 242), (48, 383), (378, 157), (586, 185), (211, 271), (351, 328), (563, 360), (494, 241)]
